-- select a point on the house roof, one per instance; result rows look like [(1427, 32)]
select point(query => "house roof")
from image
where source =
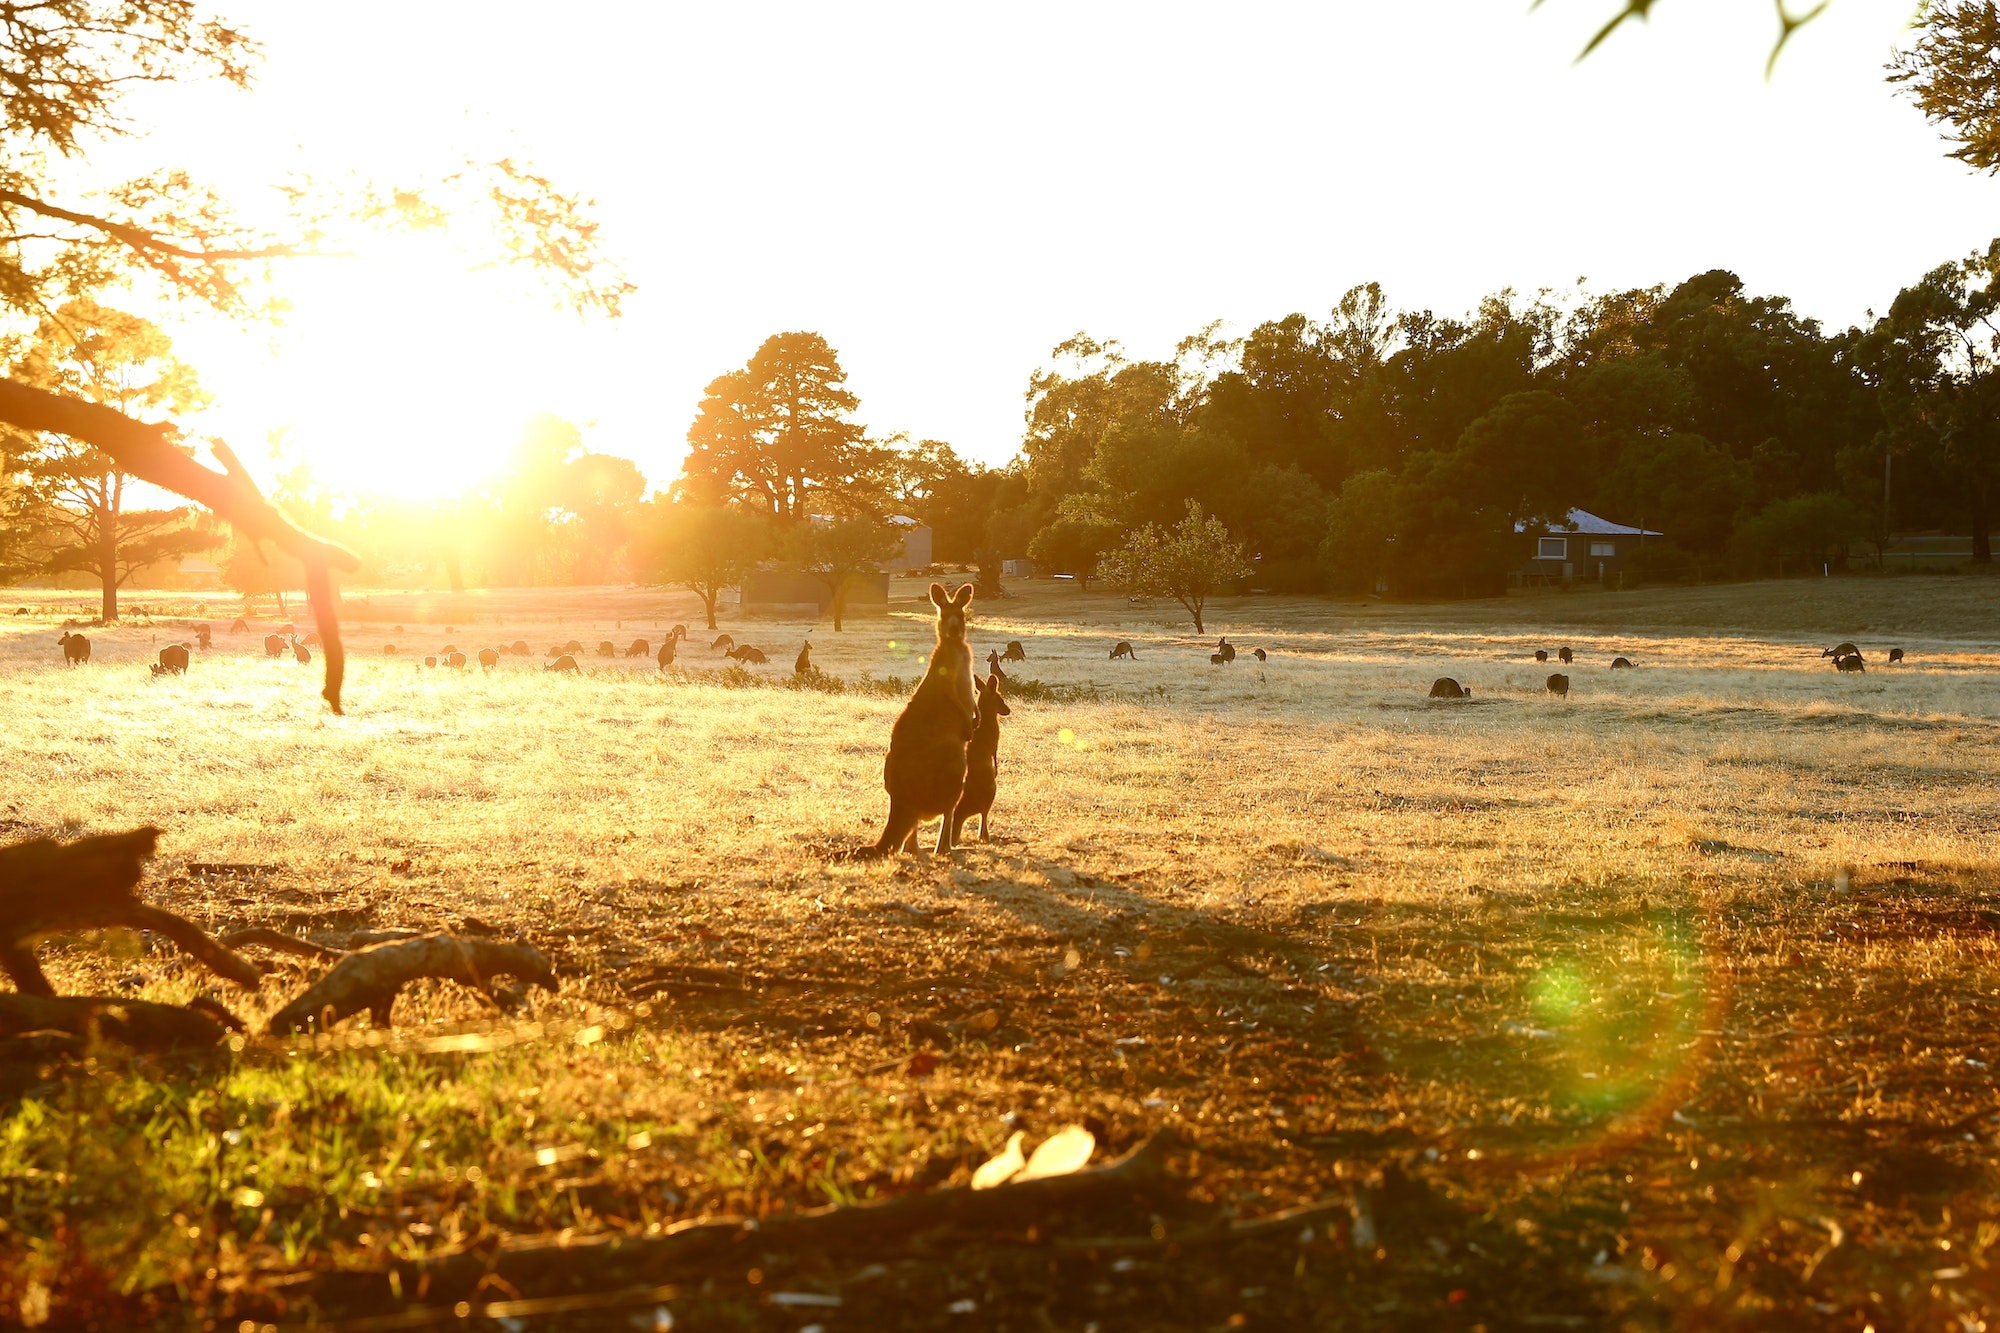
[(1583, 523)]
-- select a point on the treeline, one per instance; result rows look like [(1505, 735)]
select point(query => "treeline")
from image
[(1369, 449)]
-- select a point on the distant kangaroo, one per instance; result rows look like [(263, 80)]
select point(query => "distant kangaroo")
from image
[(993, 661), (639, 648), (1565, 654), (804, 662), (488, 659), (1123, 649), (666, 658), (924, 772), (1541, 654), (1224, 649), (1895, 654), (744, 653), (982, 762), (274, 645), (75, 648), (565, 664), (1261, 654), (1840, 650), (1559, 685), (1620, 663), (1444, 687), (607, 649), (722, 644), (173, 659), (1851, 662), (1015, 652)]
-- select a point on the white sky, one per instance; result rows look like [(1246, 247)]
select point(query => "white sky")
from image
[(945, 192)]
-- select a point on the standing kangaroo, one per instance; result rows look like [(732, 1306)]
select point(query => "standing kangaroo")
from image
[(924, 772), (982, 761)]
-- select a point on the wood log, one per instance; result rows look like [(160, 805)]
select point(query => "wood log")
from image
[(47, 887), (370, 978), (140, 1024), (542, 1266), (279, 942)]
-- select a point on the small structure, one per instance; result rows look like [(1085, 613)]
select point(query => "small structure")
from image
[(916, 552), (1017, 569), (1582, 546)]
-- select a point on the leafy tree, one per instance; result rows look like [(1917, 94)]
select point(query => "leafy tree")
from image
[(1073, 546), (954, 498), (706, 548), (1188, 562), (1684, 487), (121, 361), (1939, 357), (779, 435), (1360, 530), (834, 551), (1813, 529), (1952, 73)]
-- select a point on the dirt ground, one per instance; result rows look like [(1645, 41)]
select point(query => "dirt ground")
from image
[(1670, 1004)]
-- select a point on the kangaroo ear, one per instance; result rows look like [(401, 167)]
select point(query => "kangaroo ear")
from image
[(963, 597), (938, 595)]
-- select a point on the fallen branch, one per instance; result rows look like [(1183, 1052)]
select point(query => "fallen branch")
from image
[(543, 1267), (148, 451), (279, 942), (48, 887), (370, 978), (140, 1024)]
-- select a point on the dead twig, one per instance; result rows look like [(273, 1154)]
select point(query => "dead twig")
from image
[(370, 978), (48, 887), (542, 1266)]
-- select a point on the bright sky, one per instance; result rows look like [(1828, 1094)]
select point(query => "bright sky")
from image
[(945, 192)]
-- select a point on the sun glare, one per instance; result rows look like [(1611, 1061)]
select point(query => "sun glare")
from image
[(398, 373)]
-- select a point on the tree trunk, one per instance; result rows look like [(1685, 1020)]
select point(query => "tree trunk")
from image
[(107, 560), (839, 603), (708, 603), (1982, 526), (1194, 608)]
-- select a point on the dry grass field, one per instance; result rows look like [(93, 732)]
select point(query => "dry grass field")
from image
[(1669, 1006)]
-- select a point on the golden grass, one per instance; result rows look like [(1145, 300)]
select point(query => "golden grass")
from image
[(1340, 924)]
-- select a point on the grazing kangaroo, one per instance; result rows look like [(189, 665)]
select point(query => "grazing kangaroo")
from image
[(174, 659), (75, 648), (1559, 685), (1444, 687), (455, 660), (1840, 650), (1565, 654), (274, 645), (982, 762), (1621, 663), (565, 664), (1123, 649), (388, 650), (202, 635), (1261, 655), (431, 661), (924, 772), (667, 651), (722, 644), (607, 649), (1851, 662), (744, 653), (639, 648), (1895, 654), (1541, 654), (488, 659), (240, 625), (804, 662), (1015, 652)]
